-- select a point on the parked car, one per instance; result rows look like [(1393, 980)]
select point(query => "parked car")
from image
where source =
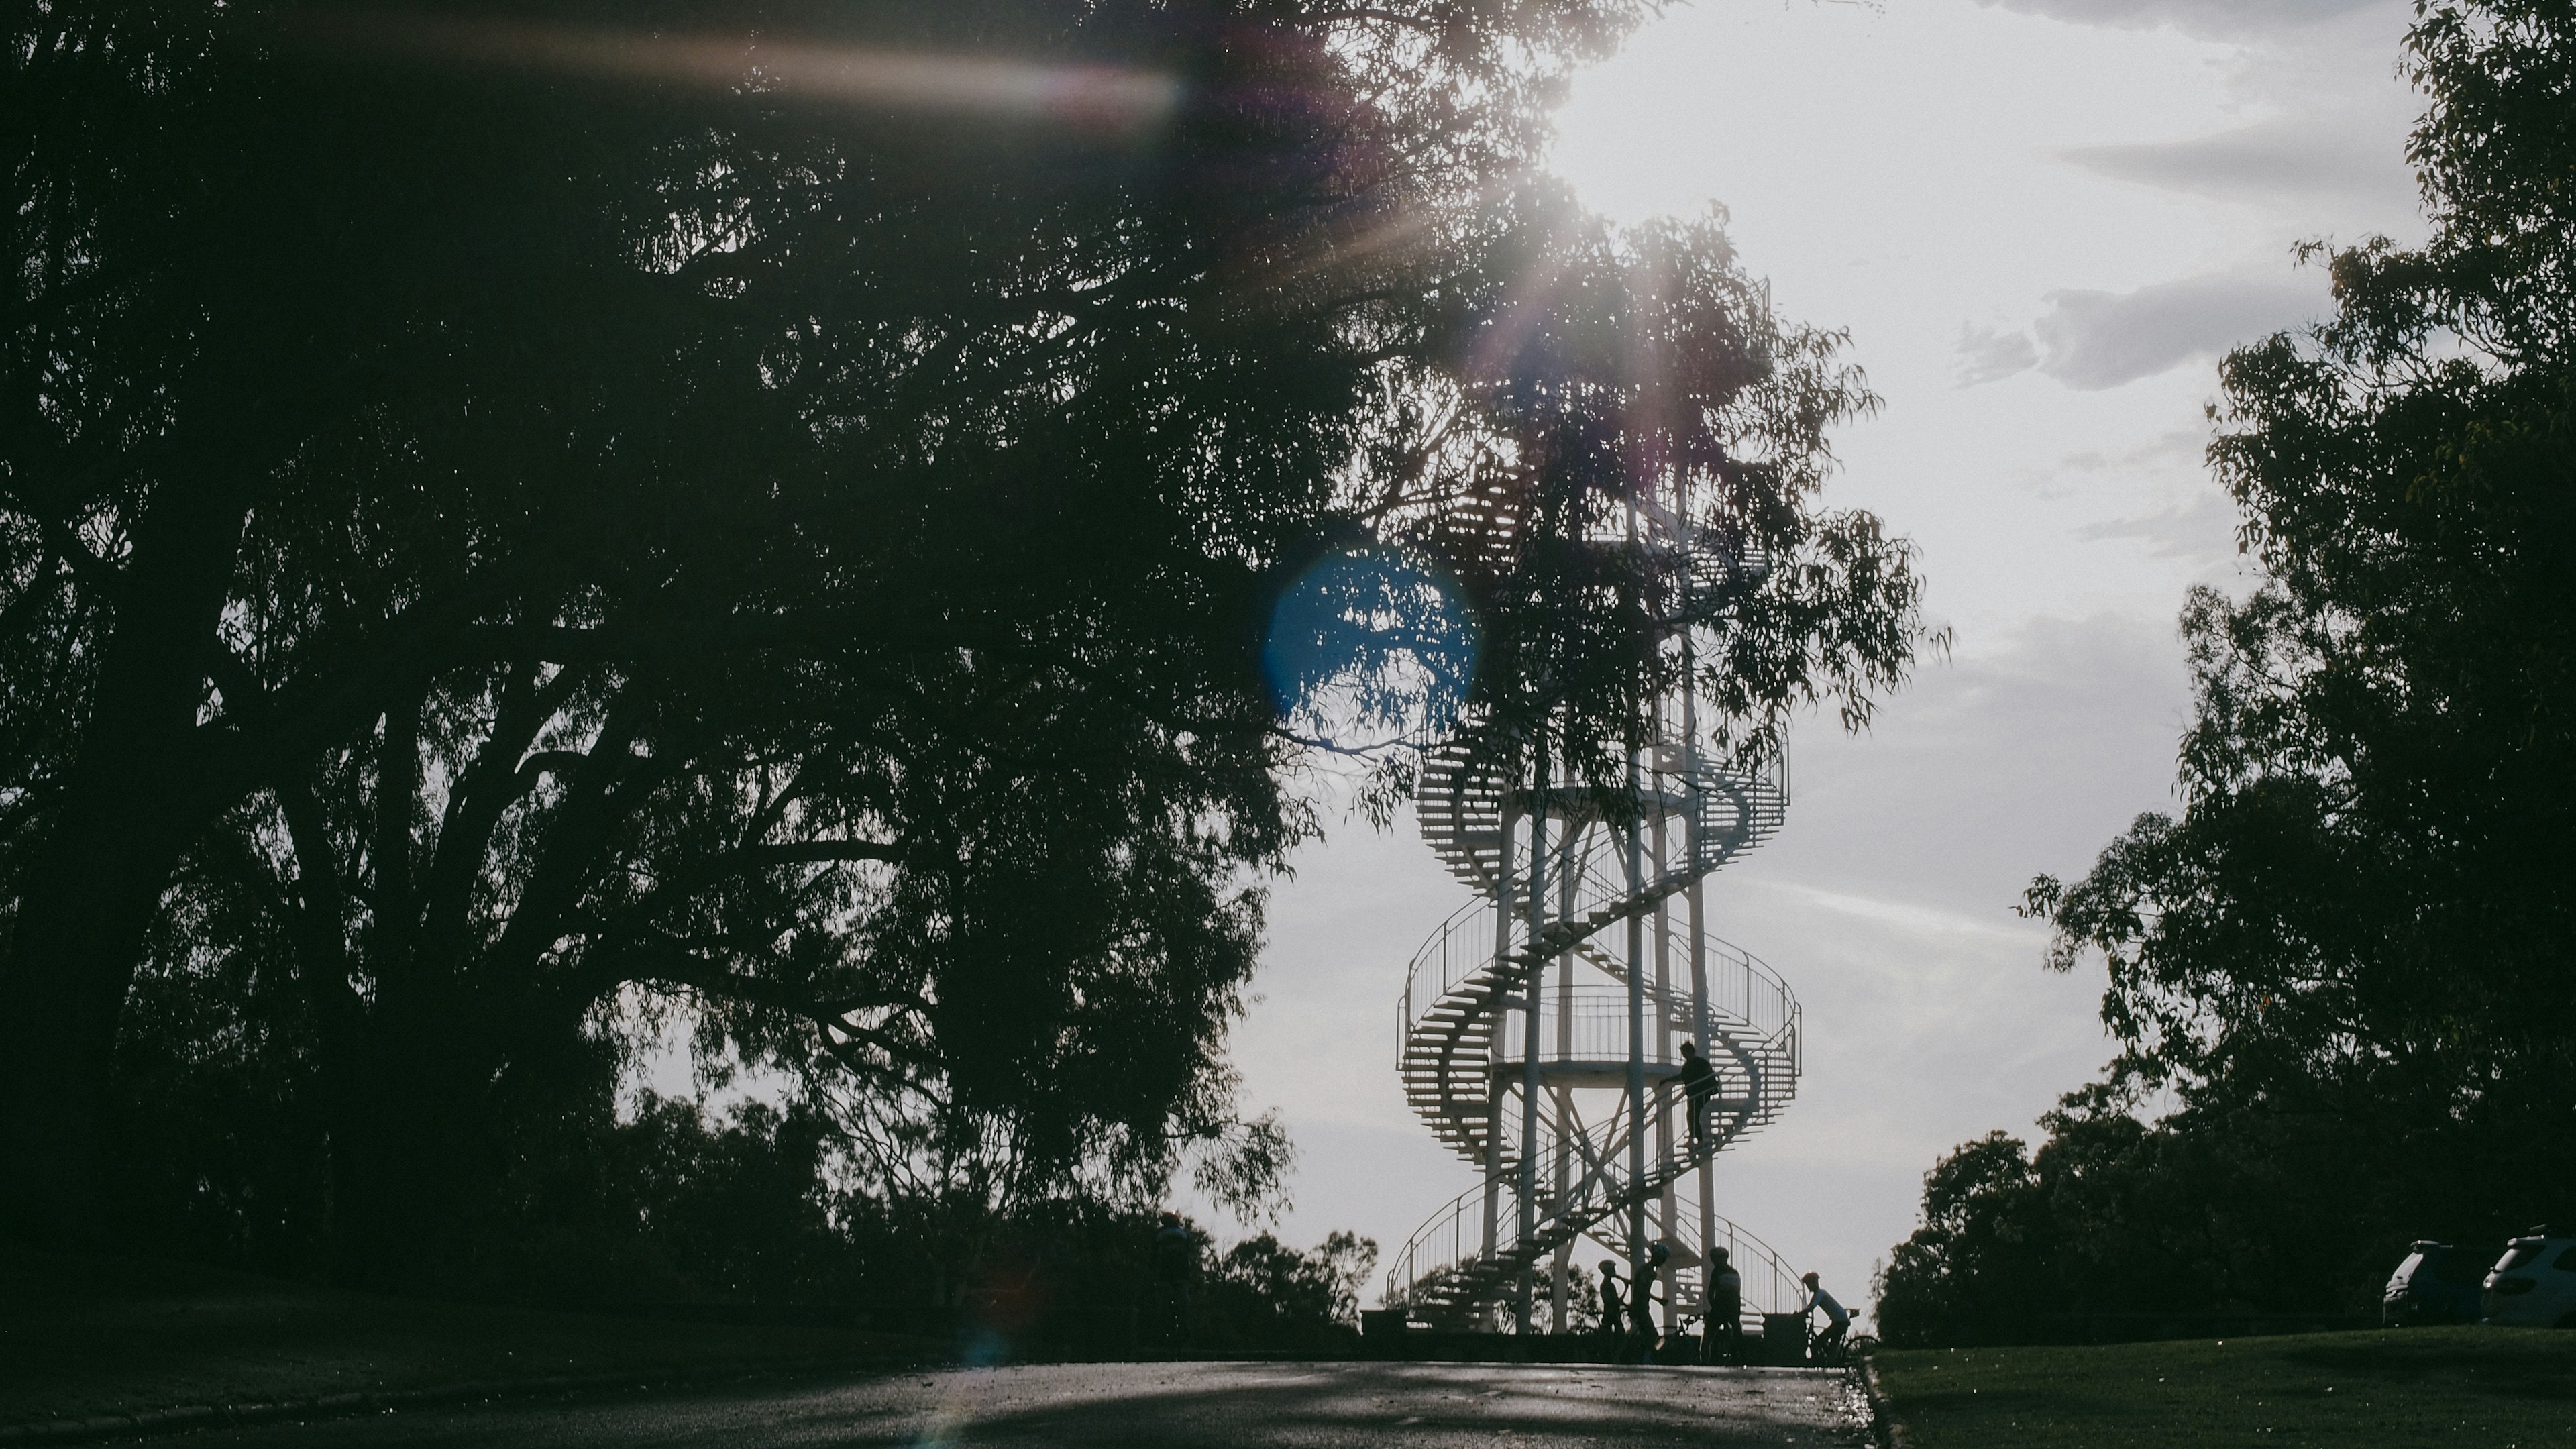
[(2437, 1283), (2534, 1283)]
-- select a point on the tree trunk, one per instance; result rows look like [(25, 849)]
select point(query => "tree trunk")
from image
[(132, 806), (419, 1158), (416, 1165)]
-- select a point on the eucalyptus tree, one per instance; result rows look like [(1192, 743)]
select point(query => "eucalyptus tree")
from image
[(410, 386), (769, 507)]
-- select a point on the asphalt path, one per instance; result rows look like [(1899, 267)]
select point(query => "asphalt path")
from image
[(1252, 1405)]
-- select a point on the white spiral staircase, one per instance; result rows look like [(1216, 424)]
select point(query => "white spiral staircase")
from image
[(1609, 1154)]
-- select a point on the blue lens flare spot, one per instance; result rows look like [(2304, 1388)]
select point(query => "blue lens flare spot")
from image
[(1370, 640)]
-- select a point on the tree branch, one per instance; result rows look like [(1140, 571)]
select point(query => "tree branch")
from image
[(672, 964)]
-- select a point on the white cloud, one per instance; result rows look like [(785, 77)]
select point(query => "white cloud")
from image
[(2202, 531), (2091, 341), (2096, 340), (2023, 756), (1910, 917), (1993, 356), (2225, 19), (2299, 156), (2176, 447)]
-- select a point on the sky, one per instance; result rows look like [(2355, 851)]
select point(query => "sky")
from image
[(2042, 221)]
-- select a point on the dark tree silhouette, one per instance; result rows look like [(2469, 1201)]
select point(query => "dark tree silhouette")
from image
[(516, 525)]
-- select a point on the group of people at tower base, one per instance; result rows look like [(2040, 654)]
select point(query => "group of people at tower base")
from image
[(1628, 1318), (1621, 1311)]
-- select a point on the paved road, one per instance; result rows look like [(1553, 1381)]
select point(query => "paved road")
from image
[(1250, 1405)]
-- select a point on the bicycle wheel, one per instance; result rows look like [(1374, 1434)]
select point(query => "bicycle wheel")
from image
[(1861, 1345)]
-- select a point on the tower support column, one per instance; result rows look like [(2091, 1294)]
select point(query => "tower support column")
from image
[(1538, 870)]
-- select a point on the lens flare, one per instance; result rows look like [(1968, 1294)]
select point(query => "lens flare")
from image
[(1089, 97), (1371, 640)]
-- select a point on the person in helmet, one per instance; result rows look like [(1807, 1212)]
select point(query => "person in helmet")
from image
[(1657, 1254), (1614, 1311), (1725, 1327), (1838, 1319), (1175, 1263)]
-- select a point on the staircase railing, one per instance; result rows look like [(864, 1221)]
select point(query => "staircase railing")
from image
[(1462, 1012)]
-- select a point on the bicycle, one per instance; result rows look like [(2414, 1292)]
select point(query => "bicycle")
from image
[(1846, 1354), (1682, 1330)]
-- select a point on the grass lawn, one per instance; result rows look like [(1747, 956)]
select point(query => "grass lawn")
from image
[(82, 1336), (2491, 1387)]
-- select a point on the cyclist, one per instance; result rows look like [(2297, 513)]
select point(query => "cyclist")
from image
[(1838, 1319)]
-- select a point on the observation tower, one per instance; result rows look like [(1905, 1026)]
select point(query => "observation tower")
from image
[(1542, 1023)]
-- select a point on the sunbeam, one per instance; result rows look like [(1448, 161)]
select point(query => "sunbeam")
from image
[(1092, 97)]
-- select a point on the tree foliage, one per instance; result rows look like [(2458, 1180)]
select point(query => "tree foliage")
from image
[(2115, 1228), (529, 523), (1263, 1293)]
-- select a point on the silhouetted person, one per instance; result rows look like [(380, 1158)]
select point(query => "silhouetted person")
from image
[(1839, 1321), (1699, 1088), (1641, 1306), (1175, 1263), (1614, 1311), (1725, 1306)]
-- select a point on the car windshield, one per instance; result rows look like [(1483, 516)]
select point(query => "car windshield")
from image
[(2518, 1255), (2406, 1271)]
